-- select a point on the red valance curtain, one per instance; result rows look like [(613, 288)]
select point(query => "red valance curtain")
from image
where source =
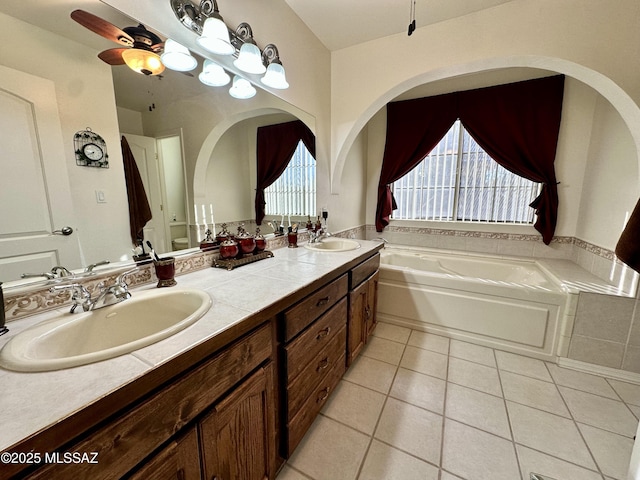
[(516, 124), (275, 147)]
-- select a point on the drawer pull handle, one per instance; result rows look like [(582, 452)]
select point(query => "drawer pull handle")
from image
[(323, 333), (322, 301), (324, 393), (324, 363)]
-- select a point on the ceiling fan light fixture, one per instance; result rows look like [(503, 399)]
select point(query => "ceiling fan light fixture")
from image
[(142, 61), (250, 59), (177, 57), (241, 88), (215, 37), (213, 74)]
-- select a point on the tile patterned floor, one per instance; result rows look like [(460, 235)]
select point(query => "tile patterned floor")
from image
[(421, 406)]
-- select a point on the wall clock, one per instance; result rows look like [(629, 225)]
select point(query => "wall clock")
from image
[(91, 149)]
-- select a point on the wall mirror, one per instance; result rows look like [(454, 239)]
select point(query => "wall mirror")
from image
[(202, 127)]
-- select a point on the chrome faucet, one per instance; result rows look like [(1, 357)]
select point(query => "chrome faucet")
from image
[(56, 272), (315, 237), (109, 295), (89, 268)]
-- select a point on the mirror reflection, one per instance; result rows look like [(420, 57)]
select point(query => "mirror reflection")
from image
[(194, 146)]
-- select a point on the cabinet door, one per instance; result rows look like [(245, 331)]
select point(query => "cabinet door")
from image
[(177, 461), (356, 327), (237, 437), (372, 304)]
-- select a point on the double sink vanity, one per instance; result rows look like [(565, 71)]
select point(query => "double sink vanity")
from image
[(218, 377)]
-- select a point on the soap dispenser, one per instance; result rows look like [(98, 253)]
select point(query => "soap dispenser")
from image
[(3, 329)]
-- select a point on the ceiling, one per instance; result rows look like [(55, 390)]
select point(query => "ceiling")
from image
[(337, 23), (343, 23)]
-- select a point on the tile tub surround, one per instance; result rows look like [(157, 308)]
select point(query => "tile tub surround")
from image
[(31, 402), (607, 331), (481, 414)]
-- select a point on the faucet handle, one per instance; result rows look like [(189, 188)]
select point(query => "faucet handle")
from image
[(90, 268), (80, 296), (124, 275)]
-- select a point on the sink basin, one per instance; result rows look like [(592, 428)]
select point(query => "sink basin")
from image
[(333, 244), (77, 339)]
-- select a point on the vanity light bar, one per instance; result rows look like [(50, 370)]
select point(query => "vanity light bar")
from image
[(194, 18)]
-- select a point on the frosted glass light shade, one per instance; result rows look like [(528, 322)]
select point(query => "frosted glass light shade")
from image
[(143, 61), (213, 74), (241, 88), (275, 77), (215, 37), (250, 59), (177, 57)]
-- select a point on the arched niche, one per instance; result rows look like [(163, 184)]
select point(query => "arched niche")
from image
[(608, 89)]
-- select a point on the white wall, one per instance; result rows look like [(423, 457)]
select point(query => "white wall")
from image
[(611, 188)]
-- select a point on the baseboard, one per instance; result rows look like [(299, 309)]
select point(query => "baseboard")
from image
[(599, 370)]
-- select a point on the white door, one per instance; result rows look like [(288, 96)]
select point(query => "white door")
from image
[(36, 196), (144, 151)]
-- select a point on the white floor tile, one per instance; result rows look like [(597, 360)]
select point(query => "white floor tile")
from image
[(388, 463), (425, 361), (554, 435), (473, 353), (600, 412), (411, 429), (288, 473), (385, 419), (418, 389), (429, 341), (371, 373), (383, 350), (523, 365), (355, 406), (449, 476), (392, 332), (628, 392), (330, 451), (532, 461), (534, 393), (477, 409), (477, 455), (474, 375), (581, 381), (611, 451)]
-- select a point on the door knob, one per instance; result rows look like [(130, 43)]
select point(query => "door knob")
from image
[(63, 231)]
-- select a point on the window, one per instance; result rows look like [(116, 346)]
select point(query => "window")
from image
[(459, 181), (294, 192)]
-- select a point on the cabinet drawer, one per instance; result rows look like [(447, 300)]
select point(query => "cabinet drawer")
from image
[(304, 313), (124, 442), (314, 403), (314, 372), (361, 272), (314, 339)]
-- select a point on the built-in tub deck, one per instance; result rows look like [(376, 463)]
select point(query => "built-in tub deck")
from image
[(522, 305)]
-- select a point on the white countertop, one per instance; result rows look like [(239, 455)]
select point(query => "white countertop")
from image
[(31, 402)]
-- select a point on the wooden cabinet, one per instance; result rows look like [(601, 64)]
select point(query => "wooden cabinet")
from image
[(363, 301), (177, 461), (312, 357), (152, 424), (237, 436)]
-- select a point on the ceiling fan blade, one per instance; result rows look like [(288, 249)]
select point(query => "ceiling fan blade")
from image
[(102, 27), (113, 56)]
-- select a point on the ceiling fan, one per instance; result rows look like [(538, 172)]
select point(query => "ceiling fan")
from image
[(140, 49)]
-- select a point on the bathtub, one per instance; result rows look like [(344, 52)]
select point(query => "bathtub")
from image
[(507, 303)]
